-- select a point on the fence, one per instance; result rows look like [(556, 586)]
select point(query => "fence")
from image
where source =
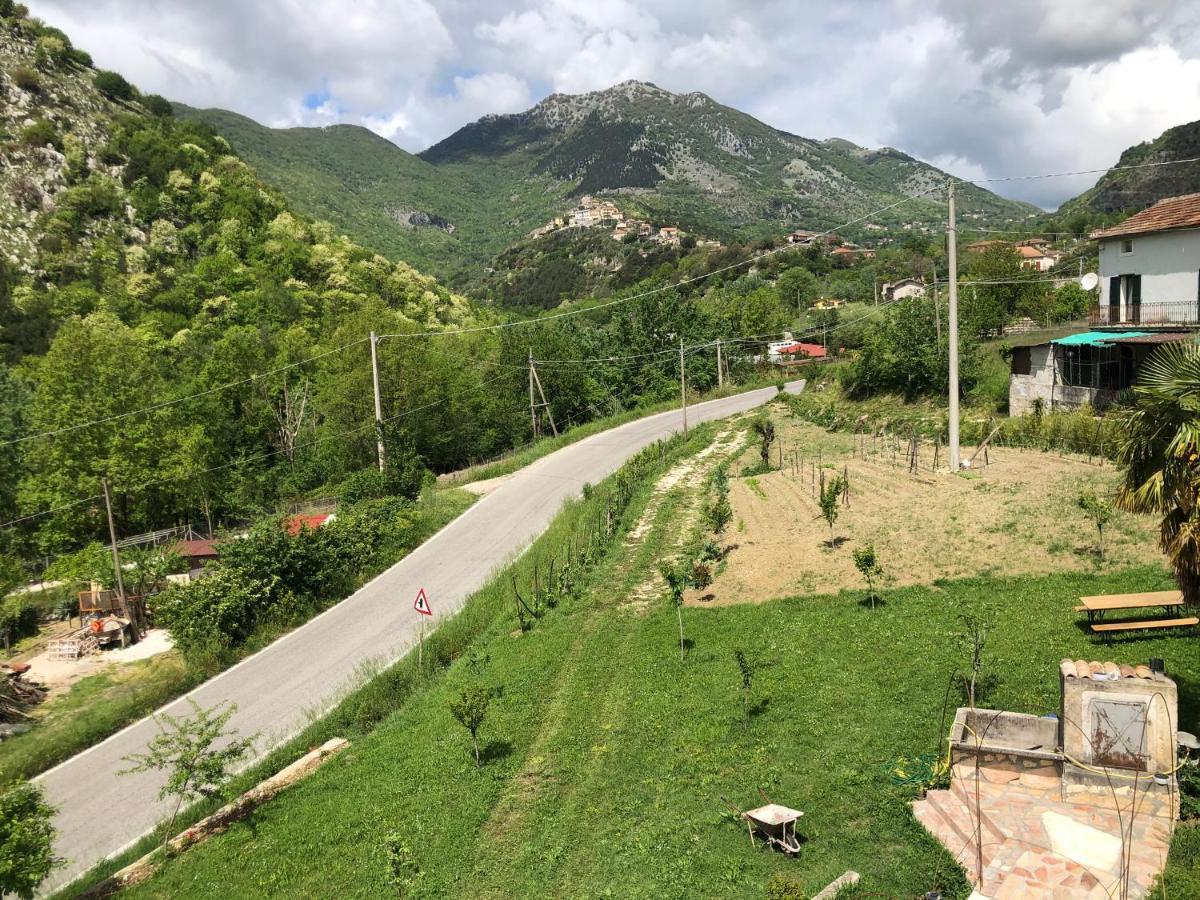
[(1171, 312)]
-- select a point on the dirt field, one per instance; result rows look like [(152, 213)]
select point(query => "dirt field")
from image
[(1018, 515)]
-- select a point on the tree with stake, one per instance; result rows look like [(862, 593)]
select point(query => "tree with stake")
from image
[(1101, 511), (764, 430), (26, 840), (975, 634), (676, 581), (868, 565), (470, 709), (186, 748), (747, 673), (831, 493)]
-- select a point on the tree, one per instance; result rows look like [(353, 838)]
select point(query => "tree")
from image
[(403, 873), (676, 579), (797, 288), (764, 430), (470, 709), (718, 510), (975, 635), (868, 566), (114, 86), (187, 748), (831, 492), (747, 673), (1100, 510), (26, 840), (157, 105), (1160, 456)]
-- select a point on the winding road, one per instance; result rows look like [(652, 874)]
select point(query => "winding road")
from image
[(278, 688)]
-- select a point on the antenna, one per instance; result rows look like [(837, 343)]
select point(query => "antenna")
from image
[(1089, 281)]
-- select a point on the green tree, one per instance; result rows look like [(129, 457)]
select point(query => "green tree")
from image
[(830, 500), (196, 752), (114, 86), (1160, 457), (26, 840), (1003, 289), (798, 288), (1100, 510), (764, 430), (676, 577), (868, 566), (470, 709), (746, 671)]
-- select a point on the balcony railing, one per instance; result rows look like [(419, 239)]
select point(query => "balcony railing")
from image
[(1162, 313)]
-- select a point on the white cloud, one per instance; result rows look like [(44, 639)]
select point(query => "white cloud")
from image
[(977, 86)]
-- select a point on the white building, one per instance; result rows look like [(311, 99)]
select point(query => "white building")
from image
[(1150, 266), (903, 289)]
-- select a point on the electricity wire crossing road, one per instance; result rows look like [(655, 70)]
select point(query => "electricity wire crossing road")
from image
[(307, 670)]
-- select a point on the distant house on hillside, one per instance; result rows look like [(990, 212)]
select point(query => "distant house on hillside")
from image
[(1036, 258), (985, 246), (1150, 266), (829, 303), (801, 236), (903, 289), (799, 352)]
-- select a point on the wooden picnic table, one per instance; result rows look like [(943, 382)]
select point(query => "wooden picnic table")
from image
[(1096, 607)]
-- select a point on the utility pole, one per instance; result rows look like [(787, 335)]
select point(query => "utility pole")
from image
[(875, 283), (380, 453), (682, 386), (532, 407), (545, 404), (720, 371), (937, 313), (112, 534), (952, 252)]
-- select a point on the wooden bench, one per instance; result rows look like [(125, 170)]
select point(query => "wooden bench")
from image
[(1102, 627)]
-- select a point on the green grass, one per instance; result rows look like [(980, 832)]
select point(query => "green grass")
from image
[(101, 705), (607, 756)]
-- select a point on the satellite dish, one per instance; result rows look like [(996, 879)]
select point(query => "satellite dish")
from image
[(1089, 281)]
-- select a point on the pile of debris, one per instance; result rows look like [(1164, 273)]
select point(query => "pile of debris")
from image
[(17, 695)]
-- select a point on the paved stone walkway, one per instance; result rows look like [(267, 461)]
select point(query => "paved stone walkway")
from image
[(1036, 845)]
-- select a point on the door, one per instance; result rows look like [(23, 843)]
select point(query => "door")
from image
[(1114, 300), (1135, 299)]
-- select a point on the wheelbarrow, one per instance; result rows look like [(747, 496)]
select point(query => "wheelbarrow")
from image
[(773, 823)]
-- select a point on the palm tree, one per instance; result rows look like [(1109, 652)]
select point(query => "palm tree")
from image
[(1160, 452)]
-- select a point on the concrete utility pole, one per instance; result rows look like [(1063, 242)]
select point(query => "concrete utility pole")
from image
[(720, 371), (532, 406), (937, 313), (380, 453), (682, 386), (112, 534), (545, 404), (952, 252)]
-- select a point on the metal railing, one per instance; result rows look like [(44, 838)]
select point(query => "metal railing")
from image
[(1158, 313)]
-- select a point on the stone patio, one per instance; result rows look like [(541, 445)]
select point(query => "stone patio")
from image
[(1035, 844)]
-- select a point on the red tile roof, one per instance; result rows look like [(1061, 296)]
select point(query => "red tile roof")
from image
[(799, 348), (197, 549), (1165, 215), (294, 524), (1031, 252)]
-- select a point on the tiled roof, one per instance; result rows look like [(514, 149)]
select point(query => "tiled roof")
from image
[(1102, 671), (1165, 215), (196, 549), (1158, 337), (1031, 252)]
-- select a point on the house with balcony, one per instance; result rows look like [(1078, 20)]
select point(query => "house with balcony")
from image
[(1150, 267)]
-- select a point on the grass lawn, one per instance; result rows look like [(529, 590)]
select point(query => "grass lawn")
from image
[(101, 705), (606, 756)]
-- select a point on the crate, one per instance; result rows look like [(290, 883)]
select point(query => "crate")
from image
[(72, 648)]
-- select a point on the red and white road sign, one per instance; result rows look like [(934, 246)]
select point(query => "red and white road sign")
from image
[(421, 604)]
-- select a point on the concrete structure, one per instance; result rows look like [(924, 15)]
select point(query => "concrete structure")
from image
[(1150, 266), (1088, 369), (903, 289)]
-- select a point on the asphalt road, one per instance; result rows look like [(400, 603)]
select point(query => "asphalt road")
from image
[(276, 689)]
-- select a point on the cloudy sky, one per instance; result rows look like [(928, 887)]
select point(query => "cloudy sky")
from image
[(978, 87)]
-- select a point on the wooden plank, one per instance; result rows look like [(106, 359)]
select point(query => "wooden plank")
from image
[(1132, 601), (1151, 623)]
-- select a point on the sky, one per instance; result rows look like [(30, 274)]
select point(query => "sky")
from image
[(980, 88)]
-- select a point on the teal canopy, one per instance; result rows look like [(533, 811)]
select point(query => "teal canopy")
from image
[(1097, 338)]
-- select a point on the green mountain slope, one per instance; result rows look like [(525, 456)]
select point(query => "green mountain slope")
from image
[(1131, 190), (670, 158)]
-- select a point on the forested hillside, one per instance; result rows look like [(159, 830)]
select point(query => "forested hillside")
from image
[(673, 159)]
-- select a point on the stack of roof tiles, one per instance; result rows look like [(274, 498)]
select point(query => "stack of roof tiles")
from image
[(1102, 671)]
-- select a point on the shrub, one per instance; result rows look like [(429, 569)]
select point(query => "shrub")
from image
[(26, 79), (18, 617), (780, 887), (26, 840), (41, 133), (114, 86), (157, 105)]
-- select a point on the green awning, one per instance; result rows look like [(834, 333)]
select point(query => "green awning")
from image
[(1097, 338)]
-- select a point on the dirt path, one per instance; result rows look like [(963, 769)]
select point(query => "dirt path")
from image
[(1017, 516)]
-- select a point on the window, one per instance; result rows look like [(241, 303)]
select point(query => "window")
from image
[(1127, 245)]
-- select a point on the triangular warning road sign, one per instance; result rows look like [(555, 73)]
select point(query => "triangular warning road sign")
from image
[(421, 604)]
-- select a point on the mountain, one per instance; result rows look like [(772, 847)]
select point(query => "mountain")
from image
[(1126, 191), (679, 159)]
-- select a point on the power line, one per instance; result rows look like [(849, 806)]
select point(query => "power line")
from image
[(1149, 165)]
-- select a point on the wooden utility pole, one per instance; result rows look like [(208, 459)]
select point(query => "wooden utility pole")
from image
[(937, 313), (380, 453), (720, 371), (112, 534), (682, 386), (952, 252), (545, 403)]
